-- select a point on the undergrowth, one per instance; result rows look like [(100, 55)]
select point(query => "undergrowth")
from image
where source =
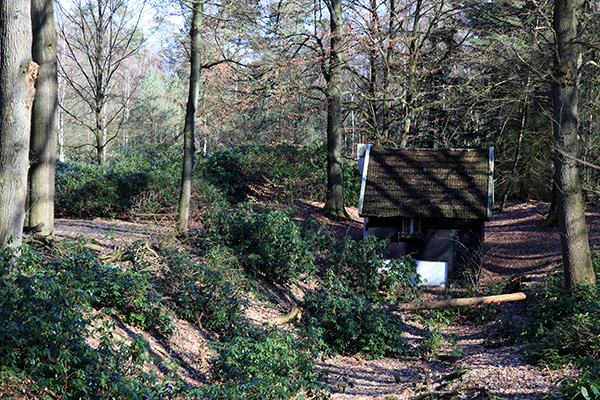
[(584, 387), (347, 323), (287, 172), (267, 242), (239, 245), (208, 295), (54, 309), (362, 267), (46, 334), (144, 183), (267, 364), (561, 326)]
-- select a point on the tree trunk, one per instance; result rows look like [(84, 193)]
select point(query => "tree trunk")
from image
[(460, 302), (43, 119), (387, 74), (574, 237), (190, 114), (411, 78), (372, 80), (61, 123), (552, 217), (99, 86), (18, 73), (335, 174), (513, 173)]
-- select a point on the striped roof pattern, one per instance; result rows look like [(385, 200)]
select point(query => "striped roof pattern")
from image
[(427, 183)]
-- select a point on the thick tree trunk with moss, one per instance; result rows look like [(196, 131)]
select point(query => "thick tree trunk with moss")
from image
[(335, 173), (18, 73), (574, 236), (189, 147), (43, 119)]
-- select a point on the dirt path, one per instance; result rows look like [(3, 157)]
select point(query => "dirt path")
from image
[(111, 233), (516, 244)]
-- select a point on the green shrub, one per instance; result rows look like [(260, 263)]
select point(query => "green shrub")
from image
[(45, 336), (296, 172), (146, 181), (434, 340), (268, 242), (292, 172), (142, 181), (162, 166), (267, 365), (361, 266), (70, 178), (210, 295), (301, 172), (564, 327), (350, 324), (227, 171), (208, 198), (586, 386), (88, 191), (286, 171), (129, 291), (560, 326)]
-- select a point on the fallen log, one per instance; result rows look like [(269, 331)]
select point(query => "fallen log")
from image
[(464, 301), (296, 312)]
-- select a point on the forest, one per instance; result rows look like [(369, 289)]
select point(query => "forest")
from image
[(179, 188)]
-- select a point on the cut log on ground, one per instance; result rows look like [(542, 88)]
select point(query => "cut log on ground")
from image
[(465, 301)]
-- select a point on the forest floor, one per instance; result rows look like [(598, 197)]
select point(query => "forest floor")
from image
[(515, 245)]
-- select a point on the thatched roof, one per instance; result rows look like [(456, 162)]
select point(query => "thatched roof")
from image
[(427, 183)]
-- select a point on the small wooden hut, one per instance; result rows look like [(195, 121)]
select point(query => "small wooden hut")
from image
[(428, 203)]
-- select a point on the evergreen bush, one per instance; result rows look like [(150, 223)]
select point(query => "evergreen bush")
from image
[(268, 242), (361, 266), (145, 182), (285, 171), (89, 191), (348, 324), (561, 326), (46, 331), (228, 171), (207, 294), (267, 365), (586, 386)]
